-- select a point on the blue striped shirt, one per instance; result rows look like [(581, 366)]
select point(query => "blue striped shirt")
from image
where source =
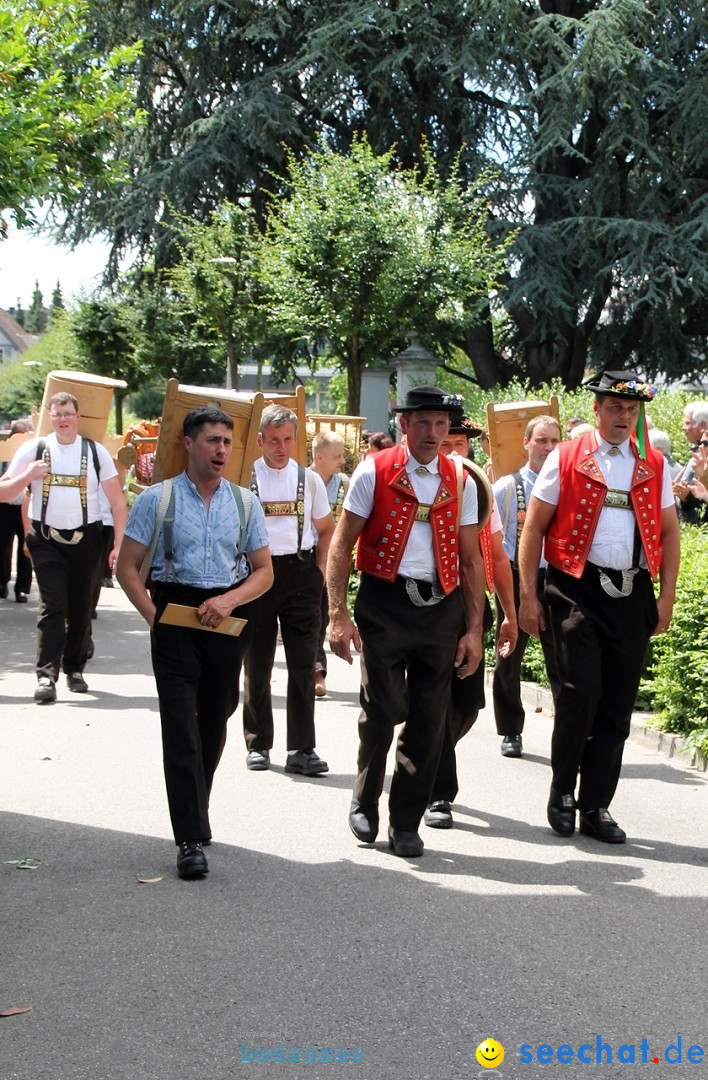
[(205, 540)]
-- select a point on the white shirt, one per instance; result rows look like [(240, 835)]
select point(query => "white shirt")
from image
[(64, 503), (613, 543), (418, 559), (280, 485)]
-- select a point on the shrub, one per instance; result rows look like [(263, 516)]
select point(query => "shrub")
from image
[(678, 672)]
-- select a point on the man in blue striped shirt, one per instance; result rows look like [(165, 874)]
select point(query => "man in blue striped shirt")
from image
[(197, 673)]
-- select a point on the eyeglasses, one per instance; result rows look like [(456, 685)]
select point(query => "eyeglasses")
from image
[(702, 442), (62, 415)]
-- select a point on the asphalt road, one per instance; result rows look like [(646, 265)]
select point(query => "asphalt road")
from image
[(302, 942)]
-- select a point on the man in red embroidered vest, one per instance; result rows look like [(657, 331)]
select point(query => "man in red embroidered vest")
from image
[(418, 610), (603, 503)]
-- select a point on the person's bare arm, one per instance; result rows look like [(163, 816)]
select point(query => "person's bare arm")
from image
[(668, 572), (538, 517), (130, 559), (504, 588), (342, 631), (11, 486), (119, 510), (325, 532), (469, 647)]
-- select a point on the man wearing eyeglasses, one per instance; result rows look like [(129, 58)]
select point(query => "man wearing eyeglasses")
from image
[(63, 472), (695, 424)]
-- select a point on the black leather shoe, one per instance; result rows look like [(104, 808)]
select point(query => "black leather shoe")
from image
[(364, 821), (3, 592), (20, 598), (511, 746), (306, 763), (406, 844), (561, 813), (191, 860), (601, 825), (46, 690), (258, 760), (438, 815), (76, 682)]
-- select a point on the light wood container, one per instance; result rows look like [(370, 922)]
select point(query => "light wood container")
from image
[(506, 424), (94, 394)]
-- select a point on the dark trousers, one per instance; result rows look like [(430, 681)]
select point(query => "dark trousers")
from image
[(197, 676), (600, 645), (321, 660), (506, 683), (66, 579), (294, 601), (108, 539), (11, 530), (464, 705), (406, 667)]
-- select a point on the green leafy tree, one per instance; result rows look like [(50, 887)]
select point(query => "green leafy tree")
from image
[(593, 112), (64, 110), (215, 284), (357, 254), (596, 114)]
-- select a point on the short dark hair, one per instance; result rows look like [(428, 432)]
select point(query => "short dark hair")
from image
[(195, 420)]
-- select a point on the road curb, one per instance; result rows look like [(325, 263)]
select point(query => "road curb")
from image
[(538, 699)]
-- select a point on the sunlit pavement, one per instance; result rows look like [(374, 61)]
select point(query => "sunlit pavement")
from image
[(303, 940)]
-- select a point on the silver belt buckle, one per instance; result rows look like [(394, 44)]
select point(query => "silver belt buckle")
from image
[(627, 583), (76, 537), (414, 593)]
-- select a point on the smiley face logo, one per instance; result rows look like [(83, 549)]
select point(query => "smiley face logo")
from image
[(490, 1053)]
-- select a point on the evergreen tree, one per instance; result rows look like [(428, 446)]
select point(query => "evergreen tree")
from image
[(36, 315), (57, 302)]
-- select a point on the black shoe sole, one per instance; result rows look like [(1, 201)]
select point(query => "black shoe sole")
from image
[(364, 838), (193, 870), (561, 828), (587, 830), (412, 853)]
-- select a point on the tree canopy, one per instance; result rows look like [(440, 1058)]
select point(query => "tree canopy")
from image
[(357, 253), (64, 110), (593, 111)]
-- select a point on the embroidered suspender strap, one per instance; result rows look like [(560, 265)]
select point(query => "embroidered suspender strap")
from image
[(289, 509), (336, 506), (61, 480), (520, 511)]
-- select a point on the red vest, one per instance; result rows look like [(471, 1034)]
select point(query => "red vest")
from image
[(582, 497), (382, 542)]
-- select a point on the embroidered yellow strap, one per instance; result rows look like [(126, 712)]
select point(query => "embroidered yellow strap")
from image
[(64, 480), (279, 509)]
